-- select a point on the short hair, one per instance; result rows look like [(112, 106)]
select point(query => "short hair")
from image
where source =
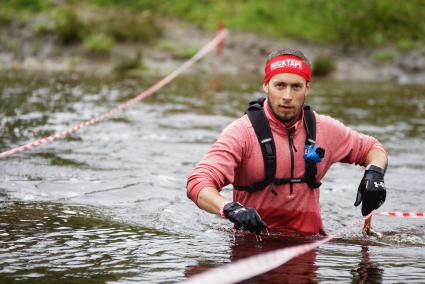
[(288, 51)]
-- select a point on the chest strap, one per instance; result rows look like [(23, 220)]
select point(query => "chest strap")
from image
[(264, 135)]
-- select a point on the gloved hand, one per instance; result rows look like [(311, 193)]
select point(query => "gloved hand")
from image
[(371, 190), (244, 218)]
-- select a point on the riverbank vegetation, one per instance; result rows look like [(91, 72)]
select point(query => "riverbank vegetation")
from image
[(362, 22), (116, 36), (96, 27), (366, 22)]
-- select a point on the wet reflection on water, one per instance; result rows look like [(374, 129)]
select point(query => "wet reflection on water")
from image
[(54, 242), (367, 271), (109, 204)]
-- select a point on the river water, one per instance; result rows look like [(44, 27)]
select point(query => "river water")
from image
[(108, 203)]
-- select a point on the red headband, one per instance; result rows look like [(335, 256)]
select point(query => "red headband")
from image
[(286, 64)]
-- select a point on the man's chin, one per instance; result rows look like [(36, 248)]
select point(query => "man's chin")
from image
[(286, 119)]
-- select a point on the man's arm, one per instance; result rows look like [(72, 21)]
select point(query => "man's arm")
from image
[(216, 170), (210, 200), (349, 146), (377, 158)]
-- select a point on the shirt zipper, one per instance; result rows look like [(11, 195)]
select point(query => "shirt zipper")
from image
[(291, 149)]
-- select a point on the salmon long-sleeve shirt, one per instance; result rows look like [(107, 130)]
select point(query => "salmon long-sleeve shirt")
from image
[(236, 158)]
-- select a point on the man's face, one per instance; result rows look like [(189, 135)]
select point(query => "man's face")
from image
[(286, 93)]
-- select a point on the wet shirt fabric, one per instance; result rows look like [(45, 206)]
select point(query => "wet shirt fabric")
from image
[(236, 158)]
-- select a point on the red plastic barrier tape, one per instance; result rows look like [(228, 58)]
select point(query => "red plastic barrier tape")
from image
[(255, 265), (151, 90), (401, 214)]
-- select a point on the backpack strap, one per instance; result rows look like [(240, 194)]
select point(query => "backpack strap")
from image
[(262, 129), (311, 165), (310, 125), (264, 135)]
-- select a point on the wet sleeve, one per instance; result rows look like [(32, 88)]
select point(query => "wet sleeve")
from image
[(217, 168), (345, 144)]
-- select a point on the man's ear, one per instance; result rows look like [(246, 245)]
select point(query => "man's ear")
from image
[(307, 87), (266, 88)]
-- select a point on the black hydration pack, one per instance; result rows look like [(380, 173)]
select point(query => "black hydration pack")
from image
[(312, 155)]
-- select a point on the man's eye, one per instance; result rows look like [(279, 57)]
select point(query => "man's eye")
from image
[(297, 87)]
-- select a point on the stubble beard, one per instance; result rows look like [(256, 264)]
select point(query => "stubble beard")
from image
[(287, 119)]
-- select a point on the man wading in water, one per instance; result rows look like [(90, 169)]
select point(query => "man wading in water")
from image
[(276, 155)]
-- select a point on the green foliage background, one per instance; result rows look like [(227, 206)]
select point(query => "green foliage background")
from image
[(364, 22)]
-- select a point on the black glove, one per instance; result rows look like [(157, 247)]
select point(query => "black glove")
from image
[(246, 219), (371, 190)]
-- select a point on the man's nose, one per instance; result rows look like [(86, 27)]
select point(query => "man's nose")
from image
[(287, 94)]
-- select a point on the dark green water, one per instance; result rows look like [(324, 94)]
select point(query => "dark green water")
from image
[(108, 203)]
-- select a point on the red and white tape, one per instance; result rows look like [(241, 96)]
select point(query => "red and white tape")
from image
[(151, 90), (255, 265), (401, 214)]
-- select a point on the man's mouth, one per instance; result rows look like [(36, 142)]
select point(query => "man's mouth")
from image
[(285, 107)]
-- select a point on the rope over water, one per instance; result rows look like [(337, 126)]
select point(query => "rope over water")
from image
[(207, 48)]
